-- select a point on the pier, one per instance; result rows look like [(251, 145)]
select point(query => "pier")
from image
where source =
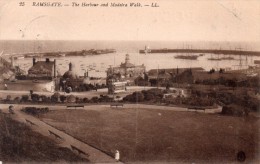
[(213, 51)]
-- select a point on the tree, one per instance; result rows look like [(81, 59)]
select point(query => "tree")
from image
[(149, 96), (44, 98), (24, 98), (78, 100), (85, 100), (63, 98), (8, 98), (94, 99), (167, 86), (212, 71), (221, 70), (71, 99), (35, 97), (137, 97), (31, 92), (17, 99), (55, 97)]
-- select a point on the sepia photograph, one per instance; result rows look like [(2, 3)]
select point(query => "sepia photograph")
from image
[(130, 81)]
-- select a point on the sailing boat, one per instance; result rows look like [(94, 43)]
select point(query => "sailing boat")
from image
[(211, 58), (227, 58), (188, 56)]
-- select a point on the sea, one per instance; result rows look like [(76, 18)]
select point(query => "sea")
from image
[(97, 65)]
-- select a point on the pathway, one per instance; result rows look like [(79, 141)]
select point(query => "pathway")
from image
[(64, 140)]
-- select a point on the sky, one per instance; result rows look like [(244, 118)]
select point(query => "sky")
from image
[(173, 20)]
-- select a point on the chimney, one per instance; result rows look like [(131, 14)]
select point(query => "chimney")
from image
[(34, 61), (47, 60), (70, 66), (86, 74), (54, 68)]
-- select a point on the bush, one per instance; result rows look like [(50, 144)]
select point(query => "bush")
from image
[(35, 97), (212, 71), (127, 98), (94, 99), (105, 98), (8, 98), (24, 98), (221, 70), (55, 97), (71, 99), (135, 97), (63, 98), (85, 100), (145, 95), (44, 99), (17, 99), (234, 110), (149, 97), (78, 100), (35, 111)]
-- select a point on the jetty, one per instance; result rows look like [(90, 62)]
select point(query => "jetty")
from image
[(212, 51)]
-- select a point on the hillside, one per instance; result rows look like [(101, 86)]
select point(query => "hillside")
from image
[(18, 143)]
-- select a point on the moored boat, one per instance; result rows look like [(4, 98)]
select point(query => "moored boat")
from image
[(188, 57)]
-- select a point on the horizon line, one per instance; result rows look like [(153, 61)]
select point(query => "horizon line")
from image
[(129, 40)]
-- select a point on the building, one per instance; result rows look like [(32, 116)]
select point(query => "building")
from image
[(116, 87), (173, 75), (142, 80), (70, 81), (42, 69), (125, 74), (7, 70), (127, 69)]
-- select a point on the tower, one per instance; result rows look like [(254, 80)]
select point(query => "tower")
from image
[(127, 59), (70, 66), (34, 61)]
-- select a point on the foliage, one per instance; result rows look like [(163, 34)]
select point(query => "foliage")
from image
[(85, 100), (134, 97), (63, 98), (24, 98), (55, 97), (212, 71), (71, 99), (17, 99), (35, 111), (35, 97), (234, 110), (94, 99), (8, 98)]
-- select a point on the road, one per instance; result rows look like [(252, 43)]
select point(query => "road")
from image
[(88, 94)]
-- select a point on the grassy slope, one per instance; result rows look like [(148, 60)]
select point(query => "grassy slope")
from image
[(20, 144), (156, 135)]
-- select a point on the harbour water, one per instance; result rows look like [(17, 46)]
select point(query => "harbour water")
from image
[(97, 64)]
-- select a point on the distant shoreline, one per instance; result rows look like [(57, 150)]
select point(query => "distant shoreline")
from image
[(43, 46)]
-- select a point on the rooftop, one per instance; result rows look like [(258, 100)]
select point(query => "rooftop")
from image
[(42, 67), (172, 70)]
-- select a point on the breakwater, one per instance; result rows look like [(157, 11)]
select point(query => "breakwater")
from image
[(213, 51)]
